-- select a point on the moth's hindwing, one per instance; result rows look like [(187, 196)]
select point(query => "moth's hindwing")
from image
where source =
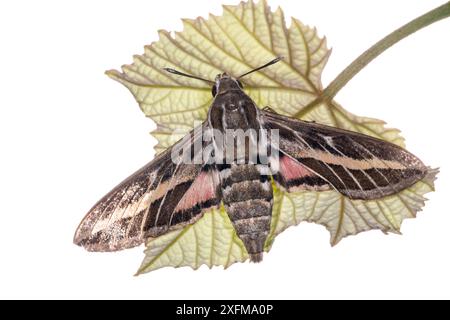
[(294, 176), (160, 197), (356, 165)]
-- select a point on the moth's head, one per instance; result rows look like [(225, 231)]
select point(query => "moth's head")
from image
[(224, 83)]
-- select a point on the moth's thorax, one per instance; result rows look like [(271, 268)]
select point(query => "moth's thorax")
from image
[(233, 109)]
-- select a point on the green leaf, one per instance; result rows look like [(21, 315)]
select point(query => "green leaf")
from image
[(244, 37)]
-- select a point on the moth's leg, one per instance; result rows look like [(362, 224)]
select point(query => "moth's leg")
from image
[(267, 108)]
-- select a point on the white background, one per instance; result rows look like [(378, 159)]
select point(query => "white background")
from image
[(69, 134)]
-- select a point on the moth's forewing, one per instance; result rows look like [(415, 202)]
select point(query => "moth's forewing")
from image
[(164, 195), (357, 165)]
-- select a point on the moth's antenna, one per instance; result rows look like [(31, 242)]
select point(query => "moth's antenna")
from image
[(262, 67), (186, 75)]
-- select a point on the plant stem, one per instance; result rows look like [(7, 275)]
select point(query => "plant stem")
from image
[(366, 57)]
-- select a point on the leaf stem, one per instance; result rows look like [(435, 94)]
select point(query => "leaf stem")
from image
[(367, 56)]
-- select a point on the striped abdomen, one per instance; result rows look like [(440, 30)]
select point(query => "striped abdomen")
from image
[(247, 196)]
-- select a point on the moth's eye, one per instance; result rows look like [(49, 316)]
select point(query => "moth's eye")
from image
[(240, 84), (214, 90)]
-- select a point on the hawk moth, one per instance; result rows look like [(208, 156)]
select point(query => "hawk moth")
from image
[(169, 193)]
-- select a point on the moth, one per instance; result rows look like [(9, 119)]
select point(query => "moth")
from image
[(169, 193)]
